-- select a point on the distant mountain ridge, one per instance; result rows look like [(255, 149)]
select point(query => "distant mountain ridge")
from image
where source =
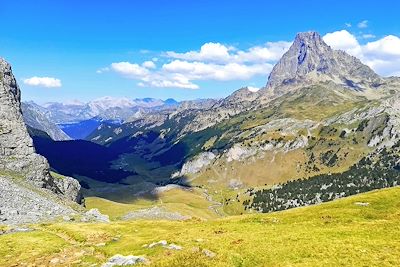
[(107, 108), (35, 117), (76, 119)]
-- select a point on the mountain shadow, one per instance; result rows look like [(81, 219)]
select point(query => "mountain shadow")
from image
[(110, 172), (79, 157)]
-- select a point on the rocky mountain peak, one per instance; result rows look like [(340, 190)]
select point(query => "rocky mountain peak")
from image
[(311, 60)]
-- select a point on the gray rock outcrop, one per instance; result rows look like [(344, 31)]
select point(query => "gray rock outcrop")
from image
[(120, 260), (21, 203), (17, 153), (311, 60)]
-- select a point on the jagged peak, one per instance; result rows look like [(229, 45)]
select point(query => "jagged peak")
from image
[(310, 60)]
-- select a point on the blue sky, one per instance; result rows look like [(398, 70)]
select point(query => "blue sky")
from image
[(97, 48)]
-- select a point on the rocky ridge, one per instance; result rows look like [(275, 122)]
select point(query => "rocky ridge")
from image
[(311, 60), (17, 154), (35, 117)]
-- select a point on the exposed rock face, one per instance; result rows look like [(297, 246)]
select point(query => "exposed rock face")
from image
[(20, 203), (70, 188), (35, 117), (311, 60), (17, 154), (195, 165), (16, 148)]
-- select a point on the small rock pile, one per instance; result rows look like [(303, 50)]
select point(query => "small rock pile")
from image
[(120, 260)]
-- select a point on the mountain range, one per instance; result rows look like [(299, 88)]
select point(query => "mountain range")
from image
[(322, 116), (84, 184), (323, 127), (76, 120)]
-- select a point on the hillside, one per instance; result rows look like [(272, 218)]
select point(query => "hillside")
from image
[(357, 231), (34, 116), (325, 118)]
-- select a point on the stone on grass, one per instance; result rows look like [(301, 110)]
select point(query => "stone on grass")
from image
[(209, 253), (120, 260)]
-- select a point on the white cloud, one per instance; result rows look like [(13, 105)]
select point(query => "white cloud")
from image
[(149, 64), (272, 51), (214, 61), (363, 24), (253, 89), (210, 71), (343, 40), (102, 70), (389, 47), (47, 82), (348, 25), (218, 53), (132, 70), (215, 52), (382, 55), (368, 36), (219, 62)]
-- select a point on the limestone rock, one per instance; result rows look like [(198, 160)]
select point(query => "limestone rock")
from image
[(18, 158), (95, 215), (120, 260), (311, 60)]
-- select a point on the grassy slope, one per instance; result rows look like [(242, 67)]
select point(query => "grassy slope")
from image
[(335, 233), (191, 203)]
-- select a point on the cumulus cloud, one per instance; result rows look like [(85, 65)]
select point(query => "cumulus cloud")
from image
[(203, 71), (149, 64), (213, 61), (219, 62), (215, 52), (363, 24), (47, 82), (343, 40), (368, 36), (218, 53), (130, 69), (382, 55)]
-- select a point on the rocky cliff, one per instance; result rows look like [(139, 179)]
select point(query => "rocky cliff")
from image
[(17, 154), (310, 60)]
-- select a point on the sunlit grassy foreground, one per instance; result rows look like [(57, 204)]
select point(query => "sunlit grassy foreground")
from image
[(331, 234)]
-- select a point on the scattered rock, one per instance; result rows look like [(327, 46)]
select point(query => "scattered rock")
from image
[(164, 244), (209, 253), (54, 261), (155, 213), (159, 243), (173, 247), (120, 260), (363, 204), (95, 215), (21, 203)]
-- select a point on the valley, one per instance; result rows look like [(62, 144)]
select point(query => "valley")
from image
[(167, 183)]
